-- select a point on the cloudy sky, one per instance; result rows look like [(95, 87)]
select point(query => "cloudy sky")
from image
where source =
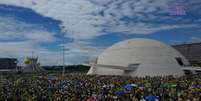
[(90, 26)]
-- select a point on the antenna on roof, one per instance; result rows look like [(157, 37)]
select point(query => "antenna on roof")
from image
[(32, 53)]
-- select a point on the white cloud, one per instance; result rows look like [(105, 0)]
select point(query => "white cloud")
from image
[(87, 19), (12, 29), (143, 28), (195, 39), (80, 23), (81, 51), (19, 39)]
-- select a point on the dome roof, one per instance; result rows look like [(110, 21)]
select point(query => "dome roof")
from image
[(149, 57)]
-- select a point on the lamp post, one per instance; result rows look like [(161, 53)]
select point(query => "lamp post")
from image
[(63, 57), (63, 49)]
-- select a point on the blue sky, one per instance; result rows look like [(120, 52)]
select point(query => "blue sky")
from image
[(90, 26)]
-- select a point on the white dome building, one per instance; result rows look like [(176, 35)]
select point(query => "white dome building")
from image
[(139, 57)]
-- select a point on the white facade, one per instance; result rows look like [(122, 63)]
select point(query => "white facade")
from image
[(147, 58)]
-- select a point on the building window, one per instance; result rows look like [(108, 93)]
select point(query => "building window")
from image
[(179, 61)]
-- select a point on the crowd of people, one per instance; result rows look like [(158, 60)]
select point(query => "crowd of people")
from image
[(81, 87)]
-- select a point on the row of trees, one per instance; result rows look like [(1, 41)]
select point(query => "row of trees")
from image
[(70, 68)]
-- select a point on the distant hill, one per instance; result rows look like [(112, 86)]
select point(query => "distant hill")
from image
[(192, 51)]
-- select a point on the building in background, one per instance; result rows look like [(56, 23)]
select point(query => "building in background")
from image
[(8, 63), (141, 57), (192, 51), (32, 66)]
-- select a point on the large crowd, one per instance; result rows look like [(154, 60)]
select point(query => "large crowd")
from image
[(80, 87)]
